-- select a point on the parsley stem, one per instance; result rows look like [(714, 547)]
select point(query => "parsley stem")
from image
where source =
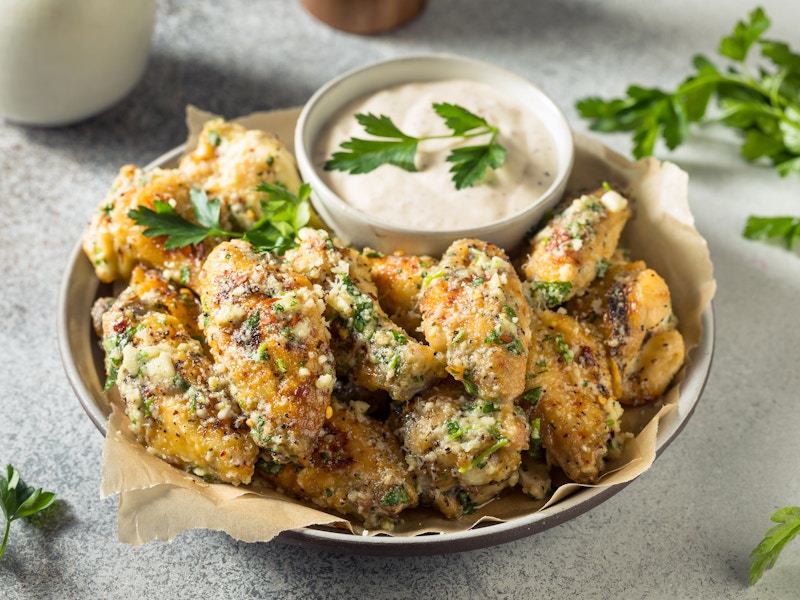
[(5, 538), (493, 130)]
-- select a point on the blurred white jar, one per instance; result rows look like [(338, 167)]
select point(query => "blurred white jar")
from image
[(62, 61)]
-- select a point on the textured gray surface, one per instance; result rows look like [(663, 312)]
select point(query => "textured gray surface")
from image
[(683, 530)]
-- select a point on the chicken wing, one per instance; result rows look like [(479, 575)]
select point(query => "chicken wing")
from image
[(568, 397), (398, 278), (266, 330), (631, 309), (370, 349), (115, 243), (179, 409), (474, 313), (575, 246), (463, 450), (357, 469), (230, 162)]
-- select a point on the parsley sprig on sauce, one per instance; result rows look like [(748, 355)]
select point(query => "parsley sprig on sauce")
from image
[(392, 146), (759, 101), (283, 215)]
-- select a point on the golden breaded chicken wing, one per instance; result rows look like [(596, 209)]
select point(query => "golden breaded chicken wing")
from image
[(115, 243), (398, 278), (574, 246), (463, 450), (474, 312), (179, 409), (370, 349), (569, 399), (266, 330), (357, 469), (631, 309), (230, 162)]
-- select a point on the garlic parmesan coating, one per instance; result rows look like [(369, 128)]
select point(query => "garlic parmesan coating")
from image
[(266, 329), (462, 450), (179, 409), (398, 279), (631, 310), (474, 313), (575, 246), (356, 469), (116, 244), (230, 162), (370, 350), (572, 410)]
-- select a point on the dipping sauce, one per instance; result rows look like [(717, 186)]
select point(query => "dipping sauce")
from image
[(428, 200)]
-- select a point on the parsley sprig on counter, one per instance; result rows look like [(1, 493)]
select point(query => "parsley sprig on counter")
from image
[(283, 215), (758, 99), (767, 551), (394, 147), (19, 501)]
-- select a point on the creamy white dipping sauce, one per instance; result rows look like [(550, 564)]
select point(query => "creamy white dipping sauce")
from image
[(428, 199)]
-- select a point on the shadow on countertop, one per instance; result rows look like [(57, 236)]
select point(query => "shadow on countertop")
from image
[(150, 120), (234, 81)]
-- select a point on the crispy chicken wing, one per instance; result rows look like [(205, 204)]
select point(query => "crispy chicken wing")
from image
[(574, 246), (398, 278), (357, 468), (631, 309), (569, 398), (463, 450), (179, 409), (115, 243), (474, 312), (230, 162), (266, 330), (370, 349)]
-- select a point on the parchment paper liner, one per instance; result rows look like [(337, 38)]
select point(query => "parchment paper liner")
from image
[(158, 501)]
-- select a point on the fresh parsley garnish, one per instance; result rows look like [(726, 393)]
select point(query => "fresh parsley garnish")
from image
[(552, 293), (394, 147), (480, 460), (767, 551), (283, 215), (19, 500), (760, 101), (398, 495), (785, 230)]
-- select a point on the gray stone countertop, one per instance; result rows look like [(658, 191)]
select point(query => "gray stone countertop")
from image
[(684, 529)]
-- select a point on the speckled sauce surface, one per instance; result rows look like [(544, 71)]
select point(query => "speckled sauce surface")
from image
[(682, 530)]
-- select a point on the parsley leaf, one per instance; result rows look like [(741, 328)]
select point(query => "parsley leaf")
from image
[(761, 102), (19, 500), (767, 551), (205, 211), (785, 229), (283, 215), (164, 220), (471, 163), (367, 155), (399, 149)]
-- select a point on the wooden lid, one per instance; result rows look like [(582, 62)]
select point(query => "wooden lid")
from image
[(365, 17)]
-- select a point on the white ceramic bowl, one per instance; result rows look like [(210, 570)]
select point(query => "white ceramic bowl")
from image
[(357, 227)]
